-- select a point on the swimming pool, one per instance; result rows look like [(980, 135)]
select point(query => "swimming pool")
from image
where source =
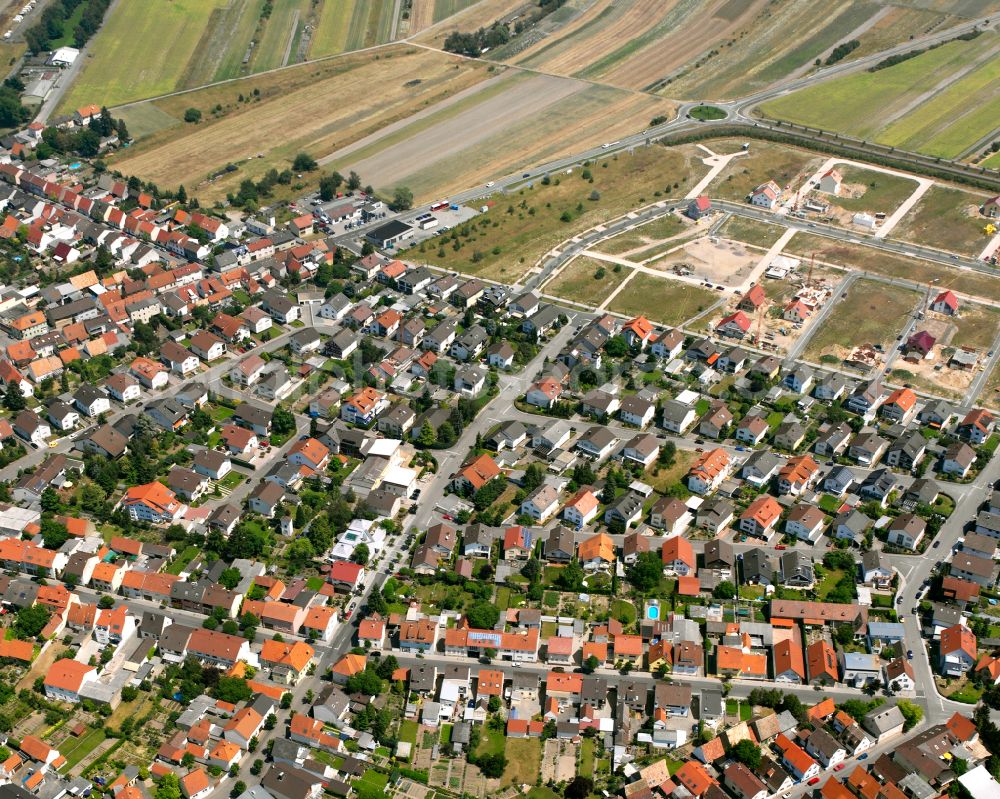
[(652, 612)]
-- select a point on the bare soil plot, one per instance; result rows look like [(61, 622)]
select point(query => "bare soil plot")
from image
[(523, 226), (787, 166), (328, 110), (669, 302), (869, 313), (990, 395), (586, 280), (719, 261), (751, 231), (640, 238), (870, 259), (948, 219)]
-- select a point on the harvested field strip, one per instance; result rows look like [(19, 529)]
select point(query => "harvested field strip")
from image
[(870, 259), (645, 61), (582, 120), (223, 44), (329, 112), (145, 119), (845, 104), (421, 15), (480, 15), (871, 313), (600, 13), (603, 34), (470, 126), (430, 117), (445, 8), (142, 49), (659, 299)]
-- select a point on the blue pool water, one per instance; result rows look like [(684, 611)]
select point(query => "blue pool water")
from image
[(652, 612), (75, 165)]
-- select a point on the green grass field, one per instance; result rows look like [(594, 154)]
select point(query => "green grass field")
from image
[(947, 219), (578, 281), (524, 761), (669, 302), (142, 49), (882, 192), (871, 313), (943, 124), (657, 230), (750, 231), (77, 750)]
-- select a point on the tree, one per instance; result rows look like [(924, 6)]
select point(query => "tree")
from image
[(427, 437), (913, 714), (591, 664), (386, 666), (493, 705), (571, 577), (492, 765), (402, 199), (31, 621), (748, 753), (283, 421), (483, 615), (361, 554), (645, 573), (54, 534), (238, 787), (724, 590), (192, 115), (364, 682), (304, 163), (230, 578), (328, 186), (353, 181), (579, 788), (169, 787), (106, 602), (532, 570), (13, 399), (233, 689)]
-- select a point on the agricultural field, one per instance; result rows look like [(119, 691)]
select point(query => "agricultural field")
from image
[(640, 238), (786, 166), (141, 50), (277, 46), (751, 231), (776, 44), (636, 44), (254, 115), (870, 259), (943, 118), (478, 15), (948, 219), (523, 226), (870, 313), (586, 280), (346, 25), (669, 302)]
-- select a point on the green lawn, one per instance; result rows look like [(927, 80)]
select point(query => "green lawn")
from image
[(623, 610), (446, 734), (828, 583), (231, 480), (314, 583), (221, 413), (77, 750), (829, 503), (491, 742), (408, 731), (503, 597), (182, 560), (660, 299), (377, 779), (587, 747)]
